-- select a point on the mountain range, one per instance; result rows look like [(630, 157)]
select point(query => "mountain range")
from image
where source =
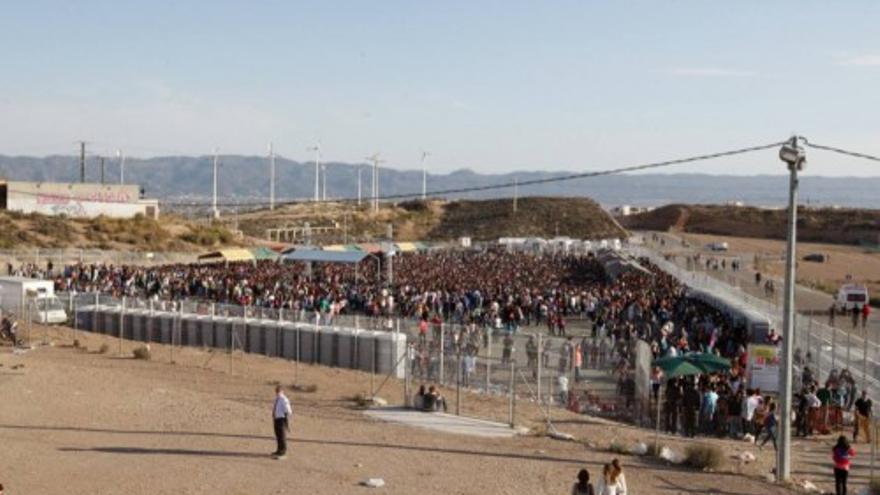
[(245, 179)]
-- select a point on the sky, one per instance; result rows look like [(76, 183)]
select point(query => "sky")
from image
[(493, 86)]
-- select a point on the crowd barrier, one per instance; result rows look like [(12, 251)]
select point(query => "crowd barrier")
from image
[(342, 347)]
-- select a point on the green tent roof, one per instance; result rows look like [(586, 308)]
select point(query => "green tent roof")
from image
[(264, 253)]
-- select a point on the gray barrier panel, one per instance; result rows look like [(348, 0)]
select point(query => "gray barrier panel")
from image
[(327, 347), (345, 346), (270, 338), (288, 340), (366, 349), (222, 331), (308, 340), (166, 327)]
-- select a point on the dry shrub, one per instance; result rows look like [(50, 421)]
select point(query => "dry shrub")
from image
[(103, 349), (618, 447), (306, 389), (142, 352), (703, 456)]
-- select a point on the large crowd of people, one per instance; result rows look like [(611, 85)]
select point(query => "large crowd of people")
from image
[(500, 292)]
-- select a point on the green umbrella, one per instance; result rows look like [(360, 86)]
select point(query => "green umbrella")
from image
[(710, 363), (678, 366)]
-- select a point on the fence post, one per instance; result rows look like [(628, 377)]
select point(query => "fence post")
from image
[(73, 312), (70, 311), (833, 347), (458, 384), (296, 361), (540, 365), (95, 312), (442, 354), (865, 364), (511, 402), (407, 377), (121, 324), (848, 349), (488, 358), (231, 342), (373, 368)]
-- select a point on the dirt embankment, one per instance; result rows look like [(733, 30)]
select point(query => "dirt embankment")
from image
[(825, 225), (22, 231), (416, 220)]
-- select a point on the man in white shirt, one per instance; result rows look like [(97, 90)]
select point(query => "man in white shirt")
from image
[(280, 412)]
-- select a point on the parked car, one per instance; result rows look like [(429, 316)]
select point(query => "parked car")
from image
[(717, 246), (816, 257)]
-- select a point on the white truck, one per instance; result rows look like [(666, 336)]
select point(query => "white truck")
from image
[(851, 295), (27, 296)]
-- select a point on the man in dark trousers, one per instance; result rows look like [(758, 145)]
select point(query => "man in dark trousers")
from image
[(690, 406), (673, 397), (281, 411)]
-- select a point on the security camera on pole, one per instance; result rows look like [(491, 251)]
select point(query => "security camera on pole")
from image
[(795, 157)]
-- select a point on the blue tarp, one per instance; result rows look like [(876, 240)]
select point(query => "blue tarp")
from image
[(325, 256)]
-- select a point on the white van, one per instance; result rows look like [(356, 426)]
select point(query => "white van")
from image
[(21, 295), (852, 295)]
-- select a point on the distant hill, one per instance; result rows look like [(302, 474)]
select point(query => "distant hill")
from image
[(245, 179), (829, 225), (437, 220)]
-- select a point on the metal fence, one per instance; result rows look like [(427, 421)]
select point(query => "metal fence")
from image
[(61, 257), (480, 358)]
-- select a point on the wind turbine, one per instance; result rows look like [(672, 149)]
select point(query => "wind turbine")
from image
[(121, 157), (376, 161), (214, 196), (317, 149), (425, 156)]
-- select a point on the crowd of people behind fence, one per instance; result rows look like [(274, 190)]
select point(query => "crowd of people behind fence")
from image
[(497, 293)]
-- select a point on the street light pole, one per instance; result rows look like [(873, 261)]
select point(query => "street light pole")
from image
[(794, 156)]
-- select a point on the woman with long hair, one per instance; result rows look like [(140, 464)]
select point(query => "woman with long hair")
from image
[(842, 455), (610, 484)]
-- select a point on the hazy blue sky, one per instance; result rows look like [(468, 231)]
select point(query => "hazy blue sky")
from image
[(488, 85)]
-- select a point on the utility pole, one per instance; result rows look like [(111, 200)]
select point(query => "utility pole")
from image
[(271, 177), (515, 192), (390, 254), (82, 161), (360, 169), (101, 160), (317, 149), (376, 161), (121, 157), (215, 211), (425, 156), (794, 156)]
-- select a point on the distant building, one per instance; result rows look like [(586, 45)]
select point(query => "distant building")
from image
[(80, 200), (627, 210)]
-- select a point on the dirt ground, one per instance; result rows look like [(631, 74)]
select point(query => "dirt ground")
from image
[(78, 421), (863, 265)]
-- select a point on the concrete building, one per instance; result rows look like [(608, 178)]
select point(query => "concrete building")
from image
[(76, 199)]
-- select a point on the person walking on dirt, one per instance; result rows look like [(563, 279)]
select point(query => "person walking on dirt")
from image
[(866, 312), (832, 311), (281, 411), (842, 455), (863, 417)]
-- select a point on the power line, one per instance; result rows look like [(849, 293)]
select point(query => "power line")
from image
[(563, 178), (842, 151)]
